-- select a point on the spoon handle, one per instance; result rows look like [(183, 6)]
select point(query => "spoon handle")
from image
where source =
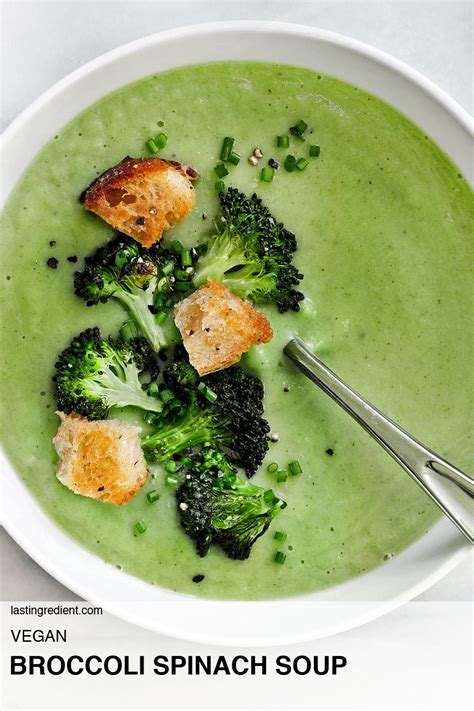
[(447, 485)]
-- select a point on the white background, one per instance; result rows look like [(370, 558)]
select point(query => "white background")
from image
[(43, 41)]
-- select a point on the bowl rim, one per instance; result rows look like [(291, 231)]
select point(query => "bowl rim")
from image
[(460, 115)]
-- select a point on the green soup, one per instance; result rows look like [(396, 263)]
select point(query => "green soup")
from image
[(383, 221)]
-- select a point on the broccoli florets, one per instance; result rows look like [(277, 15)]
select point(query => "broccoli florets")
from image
[(126, 271), (93, 375), (216, 506), (251, 253), (223, 409)]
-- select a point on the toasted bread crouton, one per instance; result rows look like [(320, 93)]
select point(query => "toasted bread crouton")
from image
[(102, 459), (142, 197), (217, 327)]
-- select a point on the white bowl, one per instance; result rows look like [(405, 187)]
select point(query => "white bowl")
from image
[(241, 623)]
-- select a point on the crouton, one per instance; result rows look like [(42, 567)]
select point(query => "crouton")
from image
[(142, 197), (102, 460), (217, 327)]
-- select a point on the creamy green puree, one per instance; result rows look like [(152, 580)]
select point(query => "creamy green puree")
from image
[(383, 221)]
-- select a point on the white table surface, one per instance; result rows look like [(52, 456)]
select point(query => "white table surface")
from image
[(43, 41)]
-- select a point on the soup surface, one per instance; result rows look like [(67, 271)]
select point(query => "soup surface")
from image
[(383, 221)]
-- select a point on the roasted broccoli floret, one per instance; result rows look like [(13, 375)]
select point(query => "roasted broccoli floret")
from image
[(223, 409), (216, 506), (94, 375), (126, 271), (251, 253)]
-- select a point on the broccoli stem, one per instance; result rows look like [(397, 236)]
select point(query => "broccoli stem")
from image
[(137, 302), (123, 390), (189, 431), (219, 258)]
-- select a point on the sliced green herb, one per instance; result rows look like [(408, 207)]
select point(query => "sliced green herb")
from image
[(272, 467), (140, 526), (220, 170), (295, 467), (227, 146), (153, 496), (280, 536), (151, 145), (302, 163), (234, 158), (314, 151), (267, 174), (161, 140), (219, 186), (290, 163), (280, 557), (283, 141)]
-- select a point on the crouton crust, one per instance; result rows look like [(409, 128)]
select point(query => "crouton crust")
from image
[(102, 460), (217, 327), (142, 197)]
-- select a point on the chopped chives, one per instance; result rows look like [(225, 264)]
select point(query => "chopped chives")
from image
[(219, 186), (281, 475), (298, 129), (295, 467), (171, 466), (140, 526), (210, 395), (314, 151), (129, 331), (166, 395), (153, 389), (163, 284), (161, 140), (283, 141), (151, 145), (269, 497), (201, 387), (267, 174), (153, 496), (234, 158), (220, 170), (186, 259), (176, 246), (280, 536), (301, 163), (149, 418), (183, 286), (186, 461), (161, 317), (227, 147), (171, 480), (272, 467), (182, 275), (290, 163), (167, 268), (280, 557)]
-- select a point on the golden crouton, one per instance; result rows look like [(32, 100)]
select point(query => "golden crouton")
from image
[(102, 460), (142, 197), (217, 327)]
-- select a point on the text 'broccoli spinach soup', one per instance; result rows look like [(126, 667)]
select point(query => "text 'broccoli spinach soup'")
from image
[(189, 452)]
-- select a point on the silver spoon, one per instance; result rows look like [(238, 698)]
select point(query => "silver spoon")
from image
[(449, 487)]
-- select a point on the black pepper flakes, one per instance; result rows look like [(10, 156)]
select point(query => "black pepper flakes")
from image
[(198, 578), (52, 242), (140, 221), (330, 451), (52, 263), (72, 258)]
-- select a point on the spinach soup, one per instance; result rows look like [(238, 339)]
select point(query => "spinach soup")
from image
[(383, 222)]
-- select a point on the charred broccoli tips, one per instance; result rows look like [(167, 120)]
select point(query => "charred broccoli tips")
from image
[(94, 375), (124, 270), (230, 419), (216, 506), (251, 253)]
